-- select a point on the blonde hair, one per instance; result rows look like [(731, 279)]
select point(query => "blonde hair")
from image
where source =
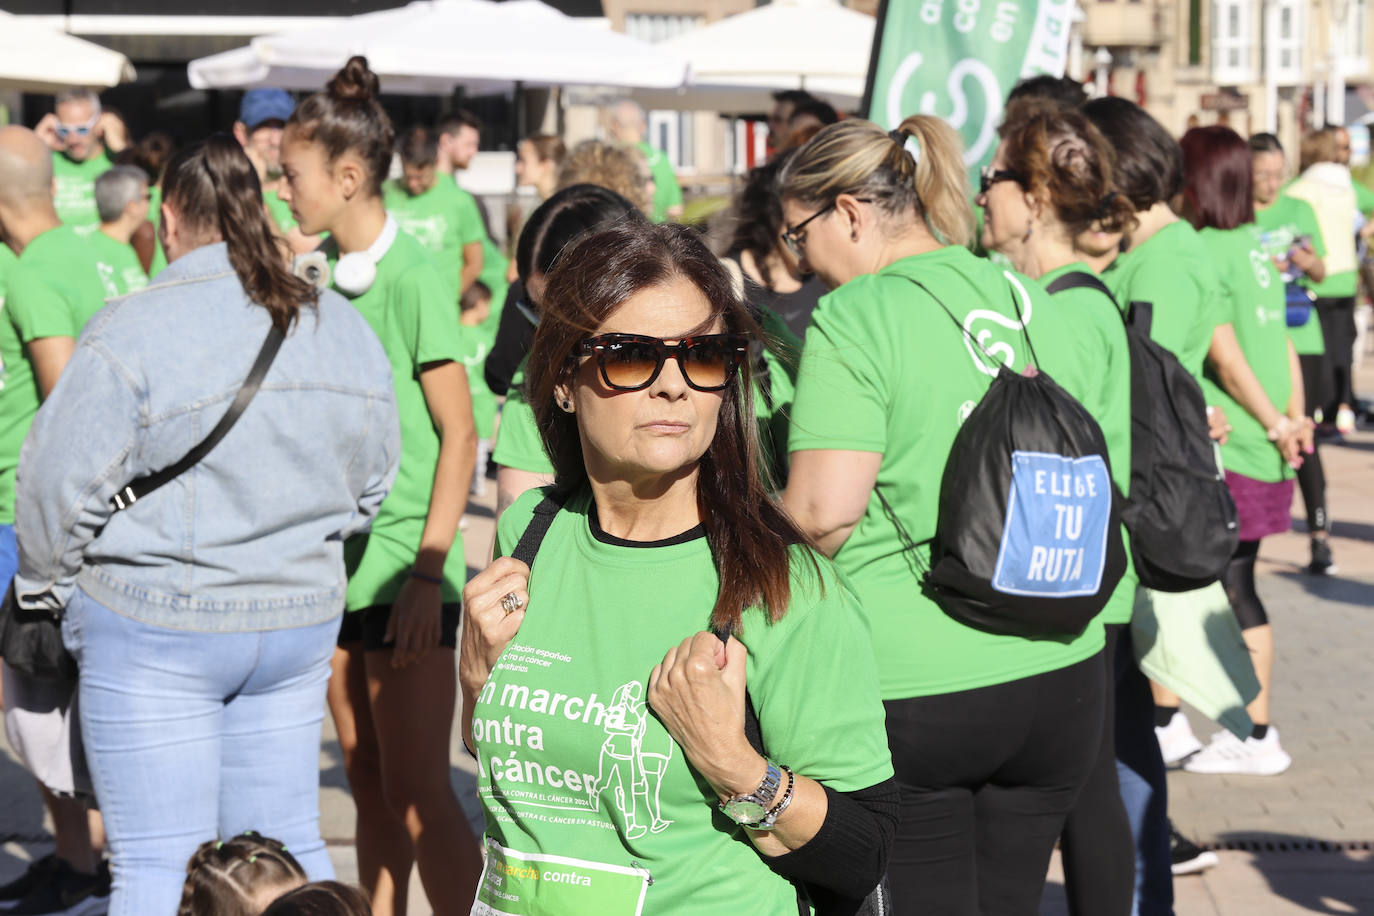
[(1318, 146), (621, 169), (860, 158)]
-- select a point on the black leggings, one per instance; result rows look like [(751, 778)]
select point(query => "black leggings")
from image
[(1337, 318), (1311, 477), (1239, 581), (1097, 845), (987, 777)]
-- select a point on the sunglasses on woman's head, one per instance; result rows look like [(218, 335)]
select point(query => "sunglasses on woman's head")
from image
[(631, 362)]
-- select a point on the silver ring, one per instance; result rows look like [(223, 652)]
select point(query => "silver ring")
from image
[(511, 603)]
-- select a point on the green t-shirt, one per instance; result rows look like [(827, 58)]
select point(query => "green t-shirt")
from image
[(155, 217), (1252, 301), (118, 264), (885, 370), (7, 262), (518, 444), (434, 220), (409, 309), (667, 192), (1281, 223), (1171, 270), (74, 190), (1102, 340), (476, 345), (590, 805), (279, 210), (54, 289), (773, 409)]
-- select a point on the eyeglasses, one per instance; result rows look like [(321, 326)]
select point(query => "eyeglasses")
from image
[(631, 362), (66, 130), (794, 237), (990, 176)]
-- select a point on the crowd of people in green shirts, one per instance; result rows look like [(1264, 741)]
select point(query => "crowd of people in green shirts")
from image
[(851, 248)]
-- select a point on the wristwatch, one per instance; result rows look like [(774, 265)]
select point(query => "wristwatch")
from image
[(752, 809)]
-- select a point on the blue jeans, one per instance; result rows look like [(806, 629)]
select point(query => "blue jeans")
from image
[(1144, 786), (193, 736), (9, 556)]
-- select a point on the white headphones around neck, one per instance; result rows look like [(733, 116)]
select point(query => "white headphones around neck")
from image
[(356, 271)]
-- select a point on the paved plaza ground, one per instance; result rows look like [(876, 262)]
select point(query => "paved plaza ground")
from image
[(1302, 842)]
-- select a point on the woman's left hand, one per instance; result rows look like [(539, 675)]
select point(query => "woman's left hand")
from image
[(415, 621), (698, 692)]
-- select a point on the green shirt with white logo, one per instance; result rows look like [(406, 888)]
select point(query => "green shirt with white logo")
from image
[(433, 219), (591, 807), (118, 264), (54, 289), (74, 190), (885, 369), (1252, 301), (1281, 223)]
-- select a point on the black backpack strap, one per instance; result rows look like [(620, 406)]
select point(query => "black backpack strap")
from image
[(1140, 315), (528, 546), (141, 487)]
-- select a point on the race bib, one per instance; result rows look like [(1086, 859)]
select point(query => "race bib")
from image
[(525, 884), (1054, 541)]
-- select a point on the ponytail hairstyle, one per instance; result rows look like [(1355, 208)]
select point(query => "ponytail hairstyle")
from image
[(1067, 163), (321, 898), (226, 877), (748, 533), (915, 172), (346, 117), (213, 188)]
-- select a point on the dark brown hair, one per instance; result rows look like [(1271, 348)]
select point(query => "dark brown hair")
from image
[(1218, 172), (1149, 165), (321, 898), (346, 116), (1064, 158), (456, 120), (418, 146), (223, 876), (749, 534), (214, 188)]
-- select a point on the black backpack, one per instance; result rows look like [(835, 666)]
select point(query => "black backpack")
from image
[(1180, 514), (1028, 538)]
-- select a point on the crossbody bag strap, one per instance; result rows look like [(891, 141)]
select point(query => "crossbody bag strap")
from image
[(1139, 315), (141, 487)]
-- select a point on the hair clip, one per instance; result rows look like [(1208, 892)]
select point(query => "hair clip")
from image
[(219, 845), (252, 859)]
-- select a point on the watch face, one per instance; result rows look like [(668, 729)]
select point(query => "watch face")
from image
[(744, 811)]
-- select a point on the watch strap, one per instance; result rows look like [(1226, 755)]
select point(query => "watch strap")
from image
[(776, 811)]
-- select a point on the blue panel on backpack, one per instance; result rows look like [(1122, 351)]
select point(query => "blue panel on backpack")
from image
[(1054, 541)]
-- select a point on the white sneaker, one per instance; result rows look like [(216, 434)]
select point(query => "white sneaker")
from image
[(1251, 757), (1176, 740), (1345, 421)]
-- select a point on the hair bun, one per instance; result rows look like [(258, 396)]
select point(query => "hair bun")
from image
[(355, 81)]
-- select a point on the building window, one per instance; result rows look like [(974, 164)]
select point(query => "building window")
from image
[(1355, 60), (1287, 40), (660, 26), (1233, 42)]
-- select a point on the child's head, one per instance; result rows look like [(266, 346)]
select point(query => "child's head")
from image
[(238, 877), (322, 898), (475, 304)]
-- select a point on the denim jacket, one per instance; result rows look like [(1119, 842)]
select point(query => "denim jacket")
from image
[(250, 538)]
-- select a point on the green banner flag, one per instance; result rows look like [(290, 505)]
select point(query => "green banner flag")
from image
[(959, 58)]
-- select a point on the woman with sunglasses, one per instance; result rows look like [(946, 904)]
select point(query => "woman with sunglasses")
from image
[(992, 736), (393, 689), (606, 714)]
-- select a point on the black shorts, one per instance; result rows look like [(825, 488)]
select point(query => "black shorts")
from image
[(368, 626)]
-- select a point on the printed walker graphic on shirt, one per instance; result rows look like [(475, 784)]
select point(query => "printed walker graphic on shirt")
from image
[(1055, 538), (634, 760), (628, 768)]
